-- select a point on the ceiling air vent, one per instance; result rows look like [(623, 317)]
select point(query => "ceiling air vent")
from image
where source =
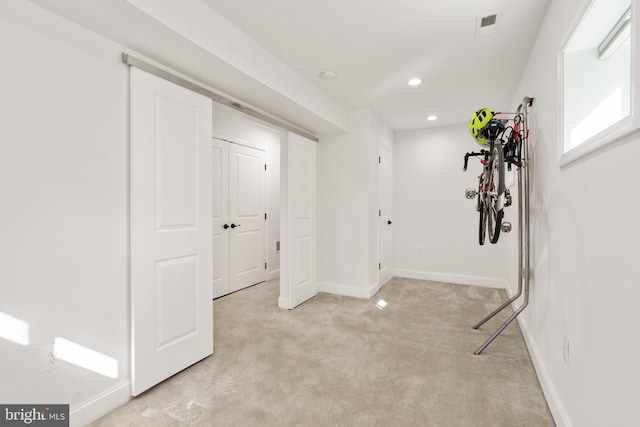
[(486, 24)]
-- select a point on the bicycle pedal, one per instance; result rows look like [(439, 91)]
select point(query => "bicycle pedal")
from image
[(505, 227), (470, 193)]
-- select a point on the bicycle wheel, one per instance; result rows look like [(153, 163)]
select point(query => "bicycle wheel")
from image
[(482, 230), (495, 192)]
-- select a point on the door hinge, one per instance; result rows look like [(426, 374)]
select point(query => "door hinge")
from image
[(265, 166), (265, 265), (379, 212), (379, 266), (379, 159), (265, 216)]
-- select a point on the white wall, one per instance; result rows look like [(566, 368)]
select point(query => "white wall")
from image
[(64, 191), (432, 213), (232, 125), (584, 257), (64, 187), (347, 206)]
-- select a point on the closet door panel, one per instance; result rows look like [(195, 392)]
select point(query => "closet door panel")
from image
[(220, 218), (247, 215)]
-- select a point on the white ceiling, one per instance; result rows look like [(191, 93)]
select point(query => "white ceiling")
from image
[(269, 53), (377, 46)]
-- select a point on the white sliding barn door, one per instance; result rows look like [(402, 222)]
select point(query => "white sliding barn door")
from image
[(299, 239), (384, 214), (171, 251)]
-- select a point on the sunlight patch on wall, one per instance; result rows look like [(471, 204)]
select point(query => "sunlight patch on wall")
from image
[(14, 330), (606, 114), (86, 358)]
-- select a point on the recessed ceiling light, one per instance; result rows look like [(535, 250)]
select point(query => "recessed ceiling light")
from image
[(432, 118), (414, 81), (328, 75)]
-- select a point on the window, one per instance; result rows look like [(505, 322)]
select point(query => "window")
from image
[(598, 66)]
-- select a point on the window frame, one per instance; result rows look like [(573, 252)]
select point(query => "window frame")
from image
[(619, 130)]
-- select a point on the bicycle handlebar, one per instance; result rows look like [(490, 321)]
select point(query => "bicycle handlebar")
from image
[(466, 157)]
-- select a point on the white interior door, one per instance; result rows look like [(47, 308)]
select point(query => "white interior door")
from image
[(300, 222), (171, 251), (220, 218), (384, 217), (247, 213)]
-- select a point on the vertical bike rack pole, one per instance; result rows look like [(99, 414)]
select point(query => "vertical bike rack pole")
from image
[(523, 235), (520, 242)]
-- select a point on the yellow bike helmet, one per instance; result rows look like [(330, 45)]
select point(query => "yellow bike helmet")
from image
[(479, 120)]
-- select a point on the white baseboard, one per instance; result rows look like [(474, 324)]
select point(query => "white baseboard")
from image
[(273, 274), (374, 288), (349, 291), (90, 410), (487, 282), (558, 411), (283, 302)]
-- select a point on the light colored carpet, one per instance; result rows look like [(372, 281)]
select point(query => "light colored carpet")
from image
[(340, 361)]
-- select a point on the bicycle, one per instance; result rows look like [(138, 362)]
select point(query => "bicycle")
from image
[(492, 194)]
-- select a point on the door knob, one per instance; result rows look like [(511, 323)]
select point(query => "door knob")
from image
[(389, 222), (225, 226), (234, 225)]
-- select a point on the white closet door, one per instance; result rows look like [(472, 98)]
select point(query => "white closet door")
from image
[(171, 271), (384, 217), (247, 215), (301, 235), (220, 219)]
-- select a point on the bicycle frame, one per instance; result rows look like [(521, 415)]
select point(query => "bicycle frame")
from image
[(493, 196)]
